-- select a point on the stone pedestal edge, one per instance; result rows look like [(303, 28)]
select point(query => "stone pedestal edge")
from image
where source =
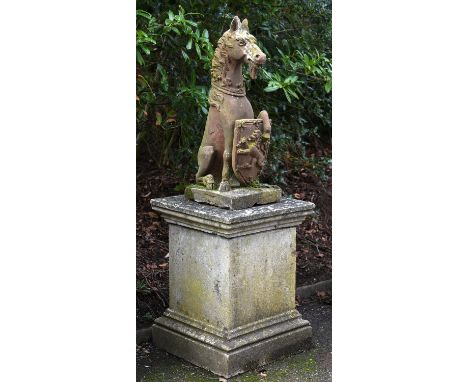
[(230, 223), (233, 230), (231, 357), (234, 333)]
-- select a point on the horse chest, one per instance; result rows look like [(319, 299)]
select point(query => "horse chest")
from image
[(234, 108)]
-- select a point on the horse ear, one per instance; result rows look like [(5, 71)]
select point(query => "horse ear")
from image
[(235, 24), (245, 25)]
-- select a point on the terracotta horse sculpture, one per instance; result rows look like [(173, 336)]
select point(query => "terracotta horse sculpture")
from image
[(228, 103)]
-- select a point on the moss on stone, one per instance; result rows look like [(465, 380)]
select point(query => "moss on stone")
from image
[(255, 184), (188, 190)]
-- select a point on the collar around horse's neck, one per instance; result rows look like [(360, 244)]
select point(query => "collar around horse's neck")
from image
[(236, 92)]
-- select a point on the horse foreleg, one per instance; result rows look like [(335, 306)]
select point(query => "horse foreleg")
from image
[(228, 131), (224, 185), (205, 158)]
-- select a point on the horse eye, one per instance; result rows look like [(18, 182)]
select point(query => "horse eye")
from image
[(242, 42)]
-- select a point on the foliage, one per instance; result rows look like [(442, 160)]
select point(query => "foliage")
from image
[(175, 45)]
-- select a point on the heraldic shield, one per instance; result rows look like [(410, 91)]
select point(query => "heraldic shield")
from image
[(249, 149)]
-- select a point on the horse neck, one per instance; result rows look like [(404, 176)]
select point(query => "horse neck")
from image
[(232, 81), (234, 73)]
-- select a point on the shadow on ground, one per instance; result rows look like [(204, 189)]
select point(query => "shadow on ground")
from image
[(315, 365)]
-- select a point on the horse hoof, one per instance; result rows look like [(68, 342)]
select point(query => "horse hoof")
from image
[(224, 186)]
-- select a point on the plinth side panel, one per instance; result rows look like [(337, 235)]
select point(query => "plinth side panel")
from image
[(262, 275), (199, 276)]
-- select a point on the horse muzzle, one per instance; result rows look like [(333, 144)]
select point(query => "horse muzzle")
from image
[(254, 64)]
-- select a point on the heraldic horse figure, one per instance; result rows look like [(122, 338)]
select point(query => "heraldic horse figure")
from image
[(228, 103)]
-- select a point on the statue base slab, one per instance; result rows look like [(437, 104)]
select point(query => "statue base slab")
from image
[(236, 199), (232, 283)]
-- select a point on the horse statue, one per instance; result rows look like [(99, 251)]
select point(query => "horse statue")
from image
[(228, 104)]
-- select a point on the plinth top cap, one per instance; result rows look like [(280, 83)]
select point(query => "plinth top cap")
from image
[(179, 204)]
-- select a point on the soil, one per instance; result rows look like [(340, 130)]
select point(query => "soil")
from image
[(310, 181)]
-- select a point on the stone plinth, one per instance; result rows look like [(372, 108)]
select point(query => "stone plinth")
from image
[(231, 284), (237, 198)]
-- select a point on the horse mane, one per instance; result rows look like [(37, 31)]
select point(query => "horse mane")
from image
[(219, 62)]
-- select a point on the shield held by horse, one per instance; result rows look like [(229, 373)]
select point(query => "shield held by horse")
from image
[(249, 149)]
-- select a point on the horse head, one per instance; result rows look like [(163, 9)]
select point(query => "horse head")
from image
[(242, 46), (239, 45)]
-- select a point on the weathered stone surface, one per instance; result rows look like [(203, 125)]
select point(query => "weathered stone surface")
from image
[(285, 208), (229, 106), (271, 194), (237, 198), (231, 284), (314, 365), (209, 352), (250, 149), (228, 283)]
